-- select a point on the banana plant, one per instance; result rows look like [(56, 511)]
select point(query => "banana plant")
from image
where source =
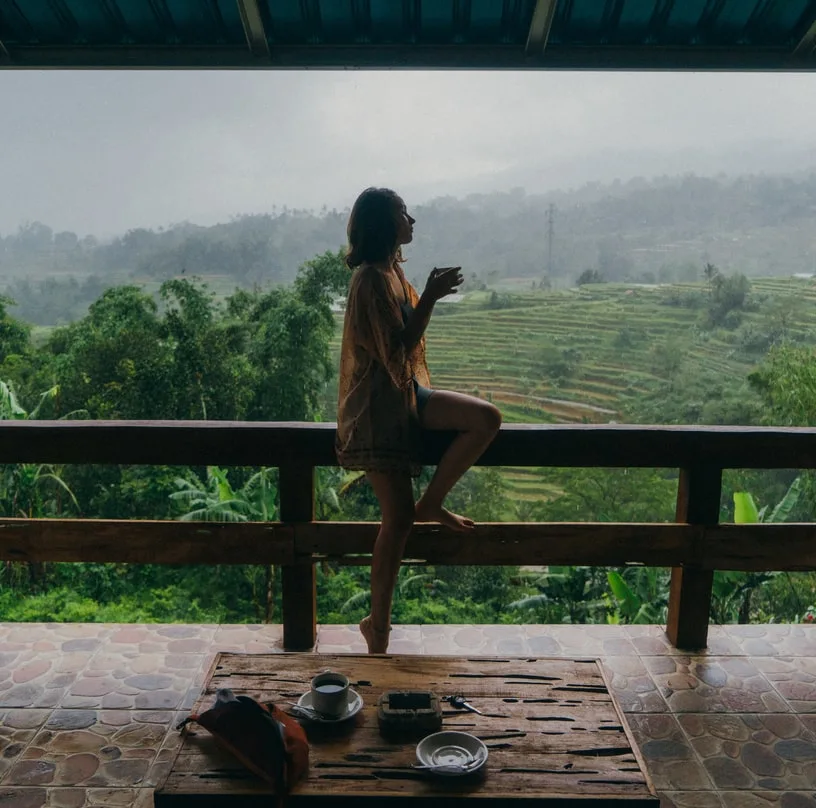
[(32, 490), (215, 500), (410, 583), (746, 512), (642, 602), (734, 591), (566, 594)]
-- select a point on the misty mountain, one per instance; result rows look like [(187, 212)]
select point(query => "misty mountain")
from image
[(660, 229)]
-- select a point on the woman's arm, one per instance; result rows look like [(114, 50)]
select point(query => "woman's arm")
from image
[(441, 282), (417, 322)]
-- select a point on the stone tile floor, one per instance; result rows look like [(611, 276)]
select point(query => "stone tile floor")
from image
[(87, 710)]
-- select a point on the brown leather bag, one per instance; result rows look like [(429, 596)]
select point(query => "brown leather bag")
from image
[(270, 743)]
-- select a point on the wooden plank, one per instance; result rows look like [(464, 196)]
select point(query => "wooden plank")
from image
[(806, 46), (510, 543), (277, 444), (145, 542), (552, 727), (183, 443), (785, 547), (588, 445), (252, 20), (402, 56), (540, 26), (788, 546), (698, 502), (298, 580)]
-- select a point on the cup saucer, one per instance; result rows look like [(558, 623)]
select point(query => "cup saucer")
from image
[(353, 706)]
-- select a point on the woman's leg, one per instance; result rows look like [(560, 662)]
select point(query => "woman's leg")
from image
[(396, 498), (477, 422)]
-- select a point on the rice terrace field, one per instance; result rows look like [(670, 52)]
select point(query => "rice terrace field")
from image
[(590, 354)]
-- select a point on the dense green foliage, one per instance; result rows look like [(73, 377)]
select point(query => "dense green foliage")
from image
[(721, 350)]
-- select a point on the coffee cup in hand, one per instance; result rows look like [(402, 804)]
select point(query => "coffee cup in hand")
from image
[(330, 694)]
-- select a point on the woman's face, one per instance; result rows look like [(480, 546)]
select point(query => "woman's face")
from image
[(405, 224)]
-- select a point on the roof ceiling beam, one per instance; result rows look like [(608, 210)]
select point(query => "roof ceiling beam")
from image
[(461, 17), (15, 19), (659, 19), (708, 18), (253, 23), (113, 16), (64, 17), (540, 27), (164, 19), (611, 15), (361, 16), (30, 57), (213, 12), (807, 44)]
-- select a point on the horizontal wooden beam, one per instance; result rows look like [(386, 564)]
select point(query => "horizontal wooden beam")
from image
[(231, 443), (789, 547), (783, 547), (181, 443), (145, 542), (510, 543), (408, 57), (725, 547)]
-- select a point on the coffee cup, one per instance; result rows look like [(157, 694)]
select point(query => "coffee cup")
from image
[(330, 694)]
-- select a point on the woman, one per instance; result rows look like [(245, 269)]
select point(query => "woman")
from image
[(385, 395)]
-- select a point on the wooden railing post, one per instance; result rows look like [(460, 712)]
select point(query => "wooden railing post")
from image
[(298, 584), (698, 503)]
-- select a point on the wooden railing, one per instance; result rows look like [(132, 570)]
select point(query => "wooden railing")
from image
[(694, 546)]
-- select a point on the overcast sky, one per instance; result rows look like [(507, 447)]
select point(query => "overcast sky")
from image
[(102, 152)]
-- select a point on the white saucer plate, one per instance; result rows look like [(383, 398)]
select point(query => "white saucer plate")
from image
[(451, 754), (355, 704)]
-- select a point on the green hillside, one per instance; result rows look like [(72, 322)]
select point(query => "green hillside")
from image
[(593, 354), (648, 231)]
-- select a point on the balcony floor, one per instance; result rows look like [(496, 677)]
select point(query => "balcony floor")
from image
[(86, 710)]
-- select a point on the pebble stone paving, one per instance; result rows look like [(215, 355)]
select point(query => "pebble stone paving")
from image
[(87, 710)]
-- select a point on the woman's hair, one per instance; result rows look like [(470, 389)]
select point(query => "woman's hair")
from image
[(372, 227)]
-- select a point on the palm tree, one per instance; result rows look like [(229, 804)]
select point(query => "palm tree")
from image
[(214, 499)]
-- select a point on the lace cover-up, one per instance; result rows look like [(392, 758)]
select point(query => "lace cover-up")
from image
[(377, 423)]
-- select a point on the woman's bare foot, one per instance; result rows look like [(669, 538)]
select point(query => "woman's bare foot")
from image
[(436, 513), (376, 638)]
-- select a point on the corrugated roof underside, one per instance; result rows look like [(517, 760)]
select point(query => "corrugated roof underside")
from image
[(413, 33)]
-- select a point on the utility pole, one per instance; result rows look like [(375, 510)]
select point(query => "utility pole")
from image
[(550, 234)]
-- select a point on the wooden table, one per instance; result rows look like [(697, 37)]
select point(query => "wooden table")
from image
[(555, 735)]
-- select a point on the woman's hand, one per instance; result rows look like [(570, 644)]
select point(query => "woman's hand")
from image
[(443, 282)]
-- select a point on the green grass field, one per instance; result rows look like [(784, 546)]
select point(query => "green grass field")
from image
[(610, 330)]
